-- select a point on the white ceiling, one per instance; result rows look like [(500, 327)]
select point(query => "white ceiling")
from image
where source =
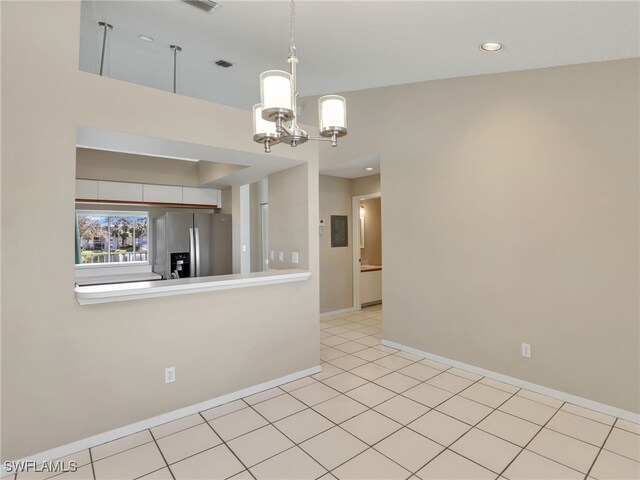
[(348, 45)]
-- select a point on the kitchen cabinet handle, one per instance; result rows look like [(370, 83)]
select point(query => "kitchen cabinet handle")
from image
[(197, 235), (192, 254)]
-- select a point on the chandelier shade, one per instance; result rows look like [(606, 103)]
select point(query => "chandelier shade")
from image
[(332, 113), (262, 129), (276, 95)]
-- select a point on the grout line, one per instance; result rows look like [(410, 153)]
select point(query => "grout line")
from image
[(601, 448), (402, 426), (615, 419), (295, 444), (532, 439), (472, 426), (121, 451), (155, 471), (230, 449), (162, 454)]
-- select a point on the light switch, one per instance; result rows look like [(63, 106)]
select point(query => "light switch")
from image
[(295, 257), (272, 256), (281, 256)]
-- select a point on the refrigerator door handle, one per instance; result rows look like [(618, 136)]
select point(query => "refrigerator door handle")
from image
[(192, 254), (197, 236)]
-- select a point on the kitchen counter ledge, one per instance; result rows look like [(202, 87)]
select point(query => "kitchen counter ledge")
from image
[(133, 291)]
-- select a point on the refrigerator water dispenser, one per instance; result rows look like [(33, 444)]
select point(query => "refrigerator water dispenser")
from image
[(180, 264)]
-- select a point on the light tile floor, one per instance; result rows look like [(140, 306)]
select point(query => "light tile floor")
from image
[(376, 413)]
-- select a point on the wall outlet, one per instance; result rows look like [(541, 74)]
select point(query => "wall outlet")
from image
[(281, 256), (526, 350), (295, 258), (244, 248), (170, 375)]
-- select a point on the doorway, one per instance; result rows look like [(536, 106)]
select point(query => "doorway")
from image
[(367, 250)]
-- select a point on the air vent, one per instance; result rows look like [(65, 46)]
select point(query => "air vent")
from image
[(204, 5), (223, 63)]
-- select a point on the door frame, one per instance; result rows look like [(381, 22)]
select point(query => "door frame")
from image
[(355, 228)]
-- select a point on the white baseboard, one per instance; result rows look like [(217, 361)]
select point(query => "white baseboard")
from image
[(338, 312), (116, 433), (550, 392)]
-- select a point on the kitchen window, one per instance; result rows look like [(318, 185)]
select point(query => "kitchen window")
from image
[(112, 238)]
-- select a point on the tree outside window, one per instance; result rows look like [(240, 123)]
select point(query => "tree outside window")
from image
[(113, 237)]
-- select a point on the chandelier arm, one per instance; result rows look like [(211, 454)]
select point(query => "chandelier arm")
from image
[(280, 128), (333, 139), (269, 142)]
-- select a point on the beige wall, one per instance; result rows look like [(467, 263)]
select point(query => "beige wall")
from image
[(71, 371), (285, 215), (365, 185), (521, 191), (125, 167), (259, 195), (227, 203), (371, 254), (336, 264), (254, 231)]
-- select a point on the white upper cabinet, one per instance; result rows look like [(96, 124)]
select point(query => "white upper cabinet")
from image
[(120, 191), (200, 196), (162, 194), (86, 189), (146, 193)]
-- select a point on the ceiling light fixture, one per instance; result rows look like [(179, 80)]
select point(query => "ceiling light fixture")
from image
[(145, 38), (491, 47), (106, 27), (274, 118), (369, 169), (175, 49)]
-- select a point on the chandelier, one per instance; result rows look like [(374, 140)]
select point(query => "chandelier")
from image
[(274, 118)]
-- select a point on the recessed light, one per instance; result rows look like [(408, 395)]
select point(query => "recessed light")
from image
[(491, 47), (145, 38), (369, 169)]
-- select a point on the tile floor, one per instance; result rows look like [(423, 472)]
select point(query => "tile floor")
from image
[(376, 413)]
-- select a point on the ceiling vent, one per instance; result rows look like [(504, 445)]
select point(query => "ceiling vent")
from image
[(223, 63), (205, 5)]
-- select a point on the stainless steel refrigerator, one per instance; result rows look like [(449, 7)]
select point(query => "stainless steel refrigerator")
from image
[(191, 244)]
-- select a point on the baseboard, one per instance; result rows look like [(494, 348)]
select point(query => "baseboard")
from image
[(371, 304), (114, 434), (550, 392), (338, 312)]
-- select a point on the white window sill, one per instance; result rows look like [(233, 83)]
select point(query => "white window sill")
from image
[(133, 291), (117, 278), (101, 269)]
